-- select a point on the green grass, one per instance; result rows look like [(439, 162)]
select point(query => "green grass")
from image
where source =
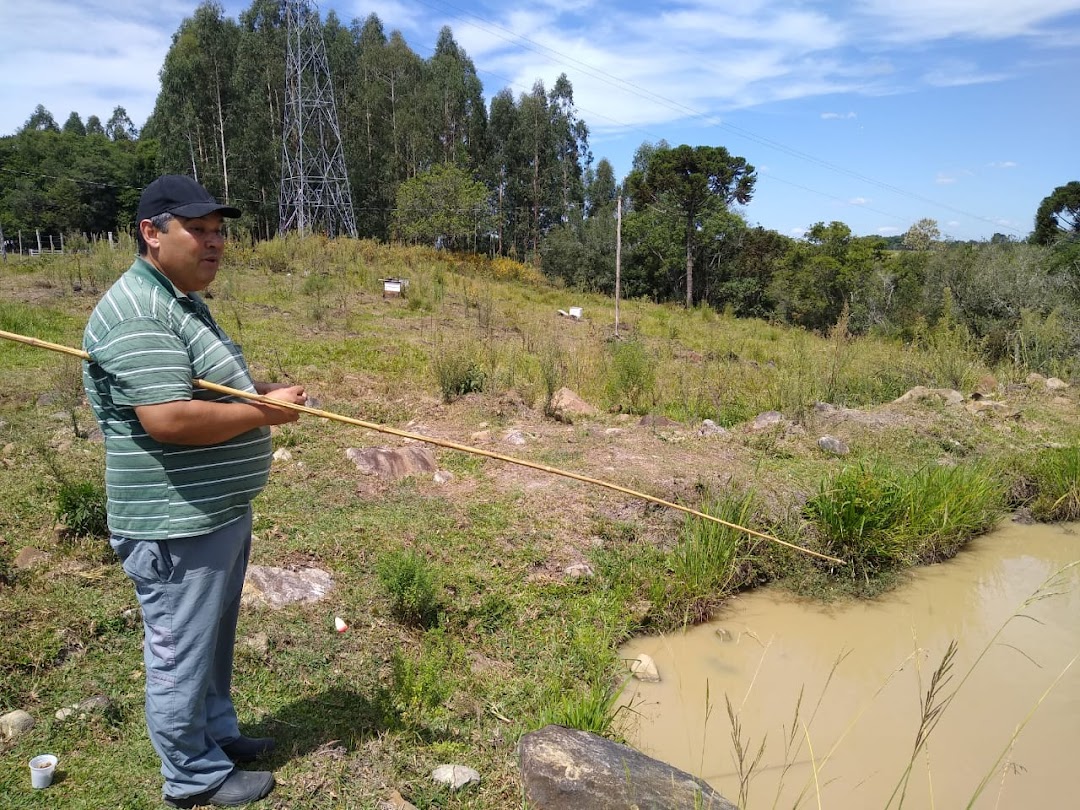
[(516, 642)]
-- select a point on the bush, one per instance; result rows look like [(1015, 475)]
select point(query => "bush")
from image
[(458, 371), (633, 377), (410, 582), (80, 508)]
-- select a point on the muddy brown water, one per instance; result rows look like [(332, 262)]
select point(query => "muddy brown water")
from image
[(855, 730)]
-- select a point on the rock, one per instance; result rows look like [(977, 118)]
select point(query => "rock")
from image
[(30, 557), (9, 449), (258, 643), (921, 393), (982, 406), (276, 587), (1054, 384), (455, 776), (654, 421), (644, 669), (64, 713), (567, 769), (1035, 379), (579, 570), (514, 437), (15, 723), (281, 454), (767, 420), (97, 703), (613, 431), (393, 464), (443, 477), (396, 802), (480, 437), (709, 428), (566, 403), (831, 444)]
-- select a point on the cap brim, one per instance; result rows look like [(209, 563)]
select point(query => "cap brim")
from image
[(202, 209)]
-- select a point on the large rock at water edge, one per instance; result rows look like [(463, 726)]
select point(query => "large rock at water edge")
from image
[(567, 769)]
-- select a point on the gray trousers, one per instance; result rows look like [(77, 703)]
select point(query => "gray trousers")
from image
[(189, 591)]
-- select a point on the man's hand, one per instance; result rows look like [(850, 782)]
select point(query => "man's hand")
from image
[(293, 394), (198, 423)]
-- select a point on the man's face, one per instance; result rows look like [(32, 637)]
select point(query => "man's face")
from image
[(189, 253)]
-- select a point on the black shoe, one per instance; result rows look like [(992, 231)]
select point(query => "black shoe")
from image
[(248, 749), (238, 789)]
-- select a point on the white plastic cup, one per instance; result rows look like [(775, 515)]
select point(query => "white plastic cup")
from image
[(41, 770)]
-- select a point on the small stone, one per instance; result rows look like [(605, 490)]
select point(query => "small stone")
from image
[(515, 437), (644, 669), (443, 477), (97, 703), (64, 713), (767, 419), (831, 444), (710, 428), (258, 643), (30, 557), (397, 802), (579, 570), (1055, 384), (455, 776), (281, 454), (15, 723), (480, 437)]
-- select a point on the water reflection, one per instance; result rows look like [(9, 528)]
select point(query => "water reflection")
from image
[(857, 721)]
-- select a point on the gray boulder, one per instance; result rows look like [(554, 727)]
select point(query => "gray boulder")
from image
[(567, 769)]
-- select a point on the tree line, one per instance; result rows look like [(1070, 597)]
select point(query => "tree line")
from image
[(430, 162)]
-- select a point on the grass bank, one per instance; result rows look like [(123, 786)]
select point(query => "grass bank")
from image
[(466, 629)]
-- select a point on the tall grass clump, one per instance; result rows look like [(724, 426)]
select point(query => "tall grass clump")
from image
[(595, 709), (950, 353), (633, 377), (878, 519), (1049, 483), (708, 562), (80, 509), (410, 582), (458, 370)]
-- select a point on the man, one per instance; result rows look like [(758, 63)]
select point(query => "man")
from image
[(182, 467)]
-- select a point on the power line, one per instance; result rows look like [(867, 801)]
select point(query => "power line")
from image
[(512, 37)]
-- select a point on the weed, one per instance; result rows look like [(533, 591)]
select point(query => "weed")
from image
[(409, 579), (594, 710), (633, 377), (80, 508), (457, 370)]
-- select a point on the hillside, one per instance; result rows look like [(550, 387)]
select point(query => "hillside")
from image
[(535, 578)]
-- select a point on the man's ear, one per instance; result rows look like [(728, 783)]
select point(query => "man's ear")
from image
[(149, 234)]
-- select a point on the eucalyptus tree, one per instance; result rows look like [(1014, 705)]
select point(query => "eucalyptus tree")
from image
[(259, 101), (454, 104), (193, 118)]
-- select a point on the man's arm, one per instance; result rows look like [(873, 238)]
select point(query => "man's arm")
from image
[(197, 422)]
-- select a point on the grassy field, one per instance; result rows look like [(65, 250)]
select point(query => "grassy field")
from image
[(465, 629)]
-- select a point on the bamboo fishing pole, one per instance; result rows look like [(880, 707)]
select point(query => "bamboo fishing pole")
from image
[(464, 448)]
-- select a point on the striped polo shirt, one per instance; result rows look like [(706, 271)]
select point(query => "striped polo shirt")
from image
[(147, 341)]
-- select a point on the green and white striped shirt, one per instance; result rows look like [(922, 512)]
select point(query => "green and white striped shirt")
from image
[(147, 341)]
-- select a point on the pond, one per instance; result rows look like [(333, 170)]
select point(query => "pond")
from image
[(863, 670)]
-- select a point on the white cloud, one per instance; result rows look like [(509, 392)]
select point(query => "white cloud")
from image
[(887, 230), (859, 201), (943, 179), (958, 73), (1003, 164), (926, 20), (832, 116)]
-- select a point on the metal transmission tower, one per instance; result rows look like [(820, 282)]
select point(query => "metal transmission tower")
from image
[(315, 194)]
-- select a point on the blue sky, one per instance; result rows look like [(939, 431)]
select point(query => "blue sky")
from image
[(876, 113)]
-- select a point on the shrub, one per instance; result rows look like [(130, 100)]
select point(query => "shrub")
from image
[(594, 711), (420, 687), (458, 371), (410, 582), (633, 378), (80, 508), (1053, 483)]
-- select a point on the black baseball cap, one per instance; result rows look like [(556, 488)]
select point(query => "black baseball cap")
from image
[(181, 196)]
